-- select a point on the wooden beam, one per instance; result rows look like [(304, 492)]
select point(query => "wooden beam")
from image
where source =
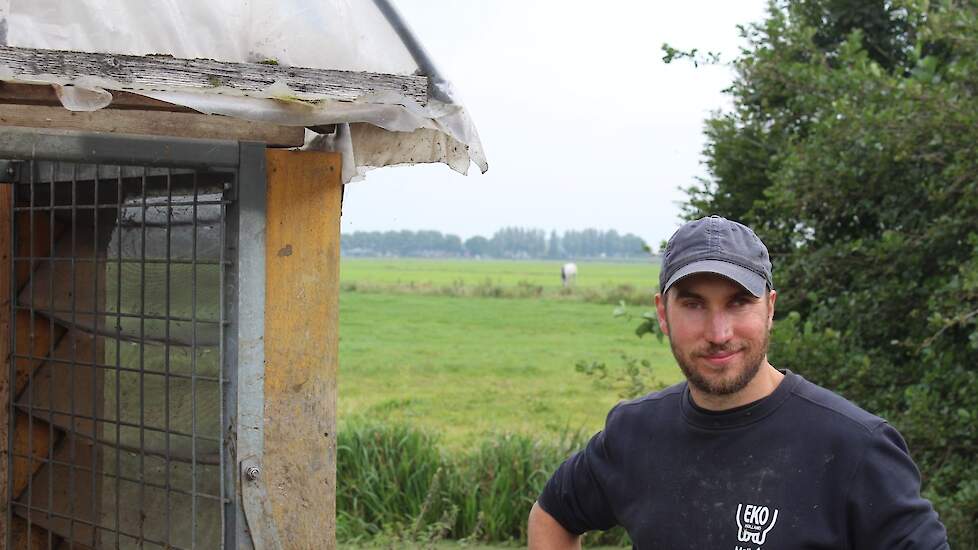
[(165, 73), (44, 94), (39, 247), (20, 540), (35, 338), (65, 384), (301, 345), (32, 443), (154, 123), (67, 481)]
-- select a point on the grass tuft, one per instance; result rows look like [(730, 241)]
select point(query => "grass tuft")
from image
[(396, 485)]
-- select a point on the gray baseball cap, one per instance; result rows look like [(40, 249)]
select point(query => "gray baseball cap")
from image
[(717, 245)]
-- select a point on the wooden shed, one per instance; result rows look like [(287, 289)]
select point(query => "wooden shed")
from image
[(169, 288)]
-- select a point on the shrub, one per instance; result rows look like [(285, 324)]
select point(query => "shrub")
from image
[(850, 150)]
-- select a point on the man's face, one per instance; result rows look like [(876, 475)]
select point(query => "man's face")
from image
[(718, 331)]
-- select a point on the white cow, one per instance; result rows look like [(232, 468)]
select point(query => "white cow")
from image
[(568, 274)]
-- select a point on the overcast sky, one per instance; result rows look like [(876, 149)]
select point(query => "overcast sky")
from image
[(582, 123)]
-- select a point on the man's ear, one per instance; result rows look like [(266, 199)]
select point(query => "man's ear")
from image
[(772, 297), (660, 310)]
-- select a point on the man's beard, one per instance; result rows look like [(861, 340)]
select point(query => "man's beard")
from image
[(752, 361)]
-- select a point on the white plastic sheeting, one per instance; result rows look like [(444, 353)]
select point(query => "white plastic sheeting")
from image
[(350, 35)]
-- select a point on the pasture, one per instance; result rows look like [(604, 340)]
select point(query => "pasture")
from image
[(466, 367), (419, 350), (596, 282)]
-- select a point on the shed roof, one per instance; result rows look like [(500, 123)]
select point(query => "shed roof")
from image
[(354, 64)]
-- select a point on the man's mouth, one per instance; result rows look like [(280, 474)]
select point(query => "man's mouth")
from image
[(721, 358)]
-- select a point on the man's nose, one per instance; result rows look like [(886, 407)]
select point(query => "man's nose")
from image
[(718, 328)]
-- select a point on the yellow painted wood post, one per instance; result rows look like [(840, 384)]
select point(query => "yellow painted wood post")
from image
[(301, 345)]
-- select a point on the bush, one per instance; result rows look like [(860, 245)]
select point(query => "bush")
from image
[(851, 151)]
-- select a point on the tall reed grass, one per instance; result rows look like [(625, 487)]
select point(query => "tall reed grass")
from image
[(395, 483), (521, 290)]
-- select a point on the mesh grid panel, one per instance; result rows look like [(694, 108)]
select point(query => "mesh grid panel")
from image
[(117, 330)]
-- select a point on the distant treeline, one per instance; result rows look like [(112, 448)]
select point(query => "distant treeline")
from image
[(508, 242)]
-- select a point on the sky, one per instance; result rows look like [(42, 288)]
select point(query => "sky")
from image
[(582, 123)]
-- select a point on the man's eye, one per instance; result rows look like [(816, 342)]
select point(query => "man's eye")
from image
[(692, 305)]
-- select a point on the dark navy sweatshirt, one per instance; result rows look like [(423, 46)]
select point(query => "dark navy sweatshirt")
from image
[(800, 468)]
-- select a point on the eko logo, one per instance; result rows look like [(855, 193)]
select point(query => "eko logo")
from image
[(754, 522)]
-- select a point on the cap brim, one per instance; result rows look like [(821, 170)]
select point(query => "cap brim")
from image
[(754, 283)]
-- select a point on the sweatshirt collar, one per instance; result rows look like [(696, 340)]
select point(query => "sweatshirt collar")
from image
[(738, 416)]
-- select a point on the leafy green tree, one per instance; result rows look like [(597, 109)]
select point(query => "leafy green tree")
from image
[(852, 148)]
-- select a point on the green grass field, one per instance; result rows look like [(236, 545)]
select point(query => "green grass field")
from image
[(468, 366), (422, 272), (468, 350)]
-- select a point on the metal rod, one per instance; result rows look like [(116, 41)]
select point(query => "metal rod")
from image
[(112, 207), (193, 372), (72, 334), (249, 329), (51, 352), (230, 509), (35, 143), (103, 366), (174, 319), (151, 485), (206, 459), (175, 261), (417, 51), (118, 371), (30, 368), (142, 358), (12, 365), (166, 352), (95, 386)]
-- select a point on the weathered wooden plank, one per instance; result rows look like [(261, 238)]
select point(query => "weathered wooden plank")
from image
[(154, 123), (44, 94), (301, 343), (70, 489), (38, 539), (31, 438), (32, 441), (35, 338), (64, 387), (163, 73), (39, 247)]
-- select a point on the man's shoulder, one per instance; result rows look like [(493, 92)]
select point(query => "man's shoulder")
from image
[(819, 401), (641, 407)]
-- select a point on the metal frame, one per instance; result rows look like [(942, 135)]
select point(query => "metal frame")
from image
[(246, 520)]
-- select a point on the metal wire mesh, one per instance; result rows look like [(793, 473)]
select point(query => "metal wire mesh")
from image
[(118, 327)]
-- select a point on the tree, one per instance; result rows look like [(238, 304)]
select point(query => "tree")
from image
[(852, 149), (477, 246), (554, 250)]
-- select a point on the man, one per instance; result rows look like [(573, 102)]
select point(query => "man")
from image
[(741, 455)]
